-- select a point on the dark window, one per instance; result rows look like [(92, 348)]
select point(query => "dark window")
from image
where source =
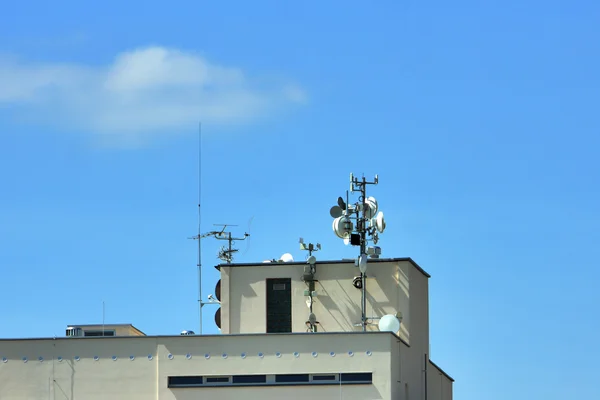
[(323, 378), (291, 378), (217, 379), (351, 378), (242, 379), (184, 381), (279, 305), (99, 333), (363, 377)]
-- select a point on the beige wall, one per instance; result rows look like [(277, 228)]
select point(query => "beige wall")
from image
[(391, 287), (147, 379), (439, 385)]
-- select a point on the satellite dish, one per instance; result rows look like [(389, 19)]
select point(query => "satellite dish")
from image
[(342, 227), (362, 263), (389, 323), (336, 211), (218, 318), (218, 290), (380, 222), (372, 207), (287, 257)]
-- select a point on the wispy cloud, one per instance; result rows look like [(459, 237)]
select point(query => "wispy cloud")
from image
[(145, 91)]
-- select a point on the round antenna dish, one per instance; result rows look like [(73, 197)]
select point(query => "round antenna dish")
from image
[(218, 290), (287, 257), (336, 211), (389, 323), (312, 259), (362, 263), (372, 207), (342, 227), (380, 222), (218, 318)]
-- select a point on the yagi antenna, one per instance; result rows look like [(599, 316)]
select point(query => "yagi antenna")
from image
[(357, 224), (226, 252)]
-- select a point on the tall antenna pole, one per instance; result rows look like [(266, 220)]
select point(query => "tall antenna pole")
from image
[(363, 250), (367, 225), (199, 227)]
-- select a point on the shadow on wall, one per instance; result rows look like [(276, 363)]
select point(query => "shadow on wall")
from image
[(276, 393), (345, 318), (237, 295)]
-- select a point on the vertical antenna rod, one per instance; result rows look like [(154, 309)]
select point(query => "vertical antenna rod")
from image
[(199, 226)]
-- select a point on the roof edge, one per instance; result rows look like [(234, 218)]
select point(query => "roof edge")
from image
[(371, 260), (441, 370), (190, 337)]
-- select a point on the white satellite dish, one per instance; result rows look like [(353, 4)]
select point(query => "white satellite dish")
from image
[(362, 263), (389, 323), (287, 257), (342, 227), (372, 207), (380, 222)]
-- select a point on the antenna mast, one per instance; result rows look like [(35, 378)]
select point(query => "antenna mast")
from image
[(198, 237), (368, 224)]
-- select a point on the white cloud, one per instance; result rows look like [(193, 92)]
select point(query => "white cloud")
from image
[(149, 90)]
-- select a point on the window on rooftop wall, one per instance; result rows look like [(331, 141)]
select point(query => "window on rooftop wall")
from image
[(291, 378), (217, 379), (279, 305), (99, 333), (324, 378), (350, 378), (184, 381), (246, 379), (357, 377)]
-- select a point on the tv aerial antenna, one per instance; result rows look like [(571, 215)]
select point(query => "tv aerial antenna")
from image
[(357, 224), (226, 252)]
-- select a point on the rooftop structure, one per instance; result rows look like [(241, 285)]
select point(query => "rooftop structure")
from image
[(348, 329)]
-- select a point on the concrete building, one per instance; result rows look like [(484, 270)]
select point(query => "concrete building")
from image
[(288, 330), (103, 330)]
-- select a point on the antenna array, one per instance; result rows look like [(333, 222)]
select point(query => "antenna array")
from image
[(309, 279), (357, 224)]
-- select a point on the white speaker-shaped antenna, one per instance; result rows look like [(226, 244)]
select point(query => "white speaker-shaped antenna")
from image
[(362, 263), (380, 222), (342, 227), (371, 207)]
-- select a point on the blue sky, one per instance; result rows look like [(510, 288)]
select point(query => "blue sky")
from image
[(479, 117)]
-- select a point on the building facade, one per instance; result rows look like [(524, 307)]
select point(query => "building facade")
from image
[(288, 330)]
